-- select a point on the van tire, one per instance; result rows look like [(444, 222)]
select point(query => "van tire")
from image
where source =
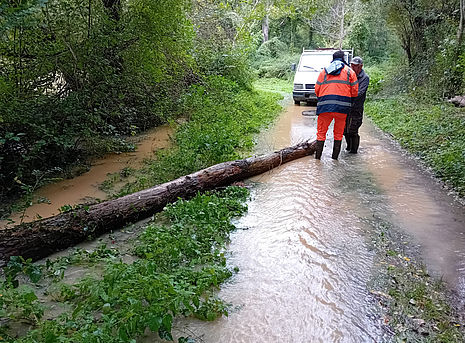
[(297, 102)]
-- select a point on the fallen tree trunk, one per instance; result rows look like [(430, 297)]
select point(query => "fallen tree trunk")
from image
[(458, 100), (43, 237)]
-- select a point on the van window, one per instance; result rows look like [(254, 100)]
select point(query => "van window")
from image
[(314, 62)]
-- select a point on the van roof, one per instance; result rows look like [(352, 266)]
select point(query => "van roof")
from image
[(324, 51)]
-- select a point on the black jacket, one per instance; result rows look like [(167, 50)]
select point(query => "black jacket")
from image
[(363, 81)]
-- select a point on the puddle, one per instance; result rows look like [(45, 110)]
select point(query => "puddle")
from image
[(85, 187)]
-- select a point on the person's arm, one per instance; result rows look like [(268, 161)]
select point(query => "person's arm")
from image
[(363, 85), (318, 83), (353, 85)]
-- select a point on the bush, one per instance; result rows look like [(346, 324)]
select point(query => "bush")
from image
[(275, 67), (273, 48), (435, 133)]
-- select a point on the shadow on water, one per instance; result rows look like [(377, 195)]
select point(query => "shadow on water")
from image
[(302, 247)]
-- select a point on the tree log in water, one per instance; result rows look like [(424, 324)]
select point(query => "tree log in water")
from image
[(43, 237), (458, 100)]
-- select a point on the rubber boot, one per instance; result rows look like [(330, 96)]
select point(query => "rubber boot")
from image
[(349, 141), (336, 149), (355, 144), (319, 149)]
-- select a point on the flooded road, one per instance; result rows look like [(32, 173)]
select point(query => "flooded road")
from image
[(303, 249), (85, 187)]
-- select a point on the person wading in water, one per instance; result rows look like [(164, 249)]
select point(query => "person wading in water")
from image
[(335, 88), (355, 117)]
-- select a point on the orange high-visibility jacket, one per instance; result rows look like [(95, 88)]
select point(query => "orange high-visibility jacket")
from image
[(335, 92)]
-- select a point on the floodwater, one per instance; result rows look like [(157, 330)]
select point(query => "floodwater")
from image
[(85, 187), (302, 247)]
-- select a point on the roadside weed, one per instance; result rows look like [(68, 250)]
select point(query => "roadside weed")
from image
[(181, 264)]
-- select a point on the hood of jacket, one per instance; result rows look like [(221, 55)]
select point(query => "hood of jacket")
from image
[(335, 67)]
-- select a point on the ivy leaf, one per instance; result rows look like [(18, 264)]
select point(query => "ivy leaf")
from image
[(154, 323), (167, 322)]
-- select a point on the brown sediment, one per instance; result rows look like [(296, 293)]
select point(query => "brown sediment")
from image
[(40, 238), (85, 188)]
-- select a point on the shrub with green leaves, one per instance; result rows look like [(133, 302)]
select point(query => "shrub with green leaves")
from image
[(181, 263), (273, 48), (269, 67), (434, 132)]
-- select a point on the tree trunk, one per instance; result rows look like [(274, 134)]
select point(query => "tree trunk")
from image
[(292, 42), (41, 238), (341, 24), (113, 9), (310, 36), (461, 23), (265, 28), (458, 48)]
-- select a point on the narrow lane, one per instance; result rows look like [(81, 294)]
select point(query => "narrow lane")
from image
[(302, 248)]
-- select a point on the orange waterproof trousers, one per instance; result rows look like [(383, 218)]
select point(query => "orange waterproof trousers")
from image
[(324, 119)]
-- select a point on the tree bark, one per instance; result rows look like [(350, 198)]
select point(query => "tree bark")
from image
[(265, 28), (113, 8), (341, 24), (41, 238), (461, 23)]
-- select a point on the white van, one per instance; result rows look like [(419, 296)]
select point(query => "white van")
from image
[(311, 63)]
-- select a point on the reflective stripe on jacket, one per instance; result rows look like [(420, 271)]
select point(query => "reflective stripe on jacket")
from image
[(336, 92)]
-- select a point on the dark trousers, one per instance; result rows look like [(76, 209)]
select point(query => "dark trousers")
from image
[(353, 123)]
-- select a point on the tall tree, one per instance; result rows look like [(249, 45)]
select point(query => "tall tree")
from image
[(461, 23), (333, 21)]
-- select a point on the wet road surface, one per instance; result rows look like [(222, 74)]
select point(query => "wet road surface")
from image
[(302, 248)]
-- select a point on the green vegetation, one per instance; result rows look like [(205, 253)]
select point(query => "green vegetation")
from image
[(415, 304), (181, 262), (435, 133), (77, 77), (222, 119), (73, 88), (274, 85)]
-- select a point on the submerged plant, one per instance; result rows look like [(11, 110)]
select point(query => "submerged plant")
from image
[(181, 264)]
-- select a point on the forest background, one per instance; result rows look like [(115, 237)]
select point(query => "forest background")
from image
[(77, 77)]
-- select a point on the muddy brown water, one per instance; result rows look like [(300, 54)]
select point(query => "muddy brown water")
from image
[(302, 247), (85, 187)]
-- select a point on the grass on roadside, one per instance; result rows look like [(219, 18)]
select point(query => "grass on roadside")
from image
[(416, 305), (435, 133), (222, 120), (274, 85)]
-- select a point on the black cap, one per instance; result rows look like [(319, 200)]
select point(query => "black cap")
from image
[(338, 54)]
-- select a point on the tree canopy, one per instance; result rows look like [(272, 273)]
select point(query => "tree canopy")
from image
[(76, 76)]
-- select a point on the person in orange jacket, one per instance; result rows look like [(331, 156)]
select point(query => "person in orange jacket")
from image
[(336, 88)]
